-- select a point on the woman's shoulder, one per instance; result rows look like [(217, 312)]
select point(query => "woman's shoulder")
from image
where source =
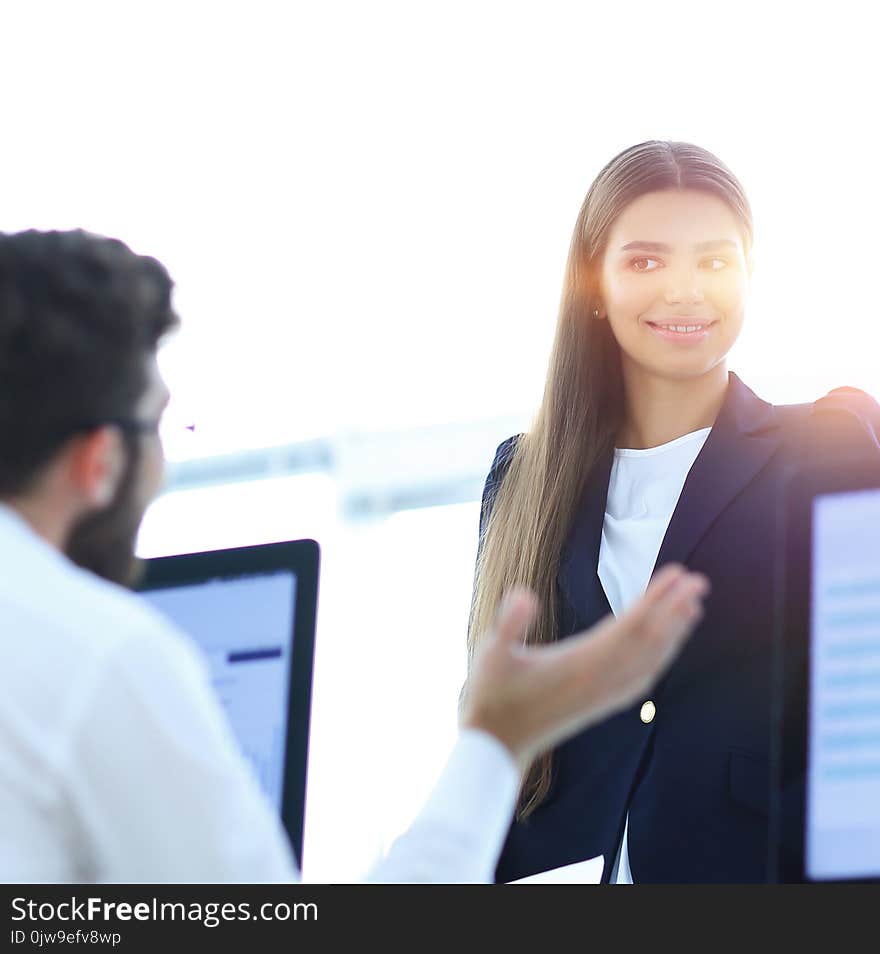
[(842, 400), (500, 463), (503, 456), (850, 401), (845, 419)]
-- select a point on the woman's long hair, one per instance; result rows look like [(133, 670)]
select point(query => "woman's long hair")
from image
[(583, 404)]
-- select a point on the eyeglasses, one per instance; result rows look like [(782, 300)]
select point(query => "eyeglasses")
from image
[(128, 425), (132, 425)]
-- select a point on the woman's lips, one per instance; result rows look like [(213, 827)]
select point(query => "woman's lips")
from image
[(683, 332)]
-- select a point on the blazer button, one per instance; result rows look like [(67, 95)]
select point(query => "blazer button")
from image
[(648, 711)]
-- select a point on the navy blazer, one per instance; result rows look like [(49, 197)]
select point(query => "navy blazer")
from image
[(695, 780)]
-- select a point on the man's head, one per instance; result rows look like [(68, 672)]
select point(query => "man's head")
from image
[(81, 318)]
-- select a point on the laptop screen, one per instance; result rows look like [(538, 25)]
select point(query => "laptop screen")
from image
[(251, 611), (842, 838), (243, 628)]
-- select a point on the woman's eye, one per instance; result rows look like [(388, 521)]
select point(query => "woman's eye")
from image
[(645, 264), (715, 264)]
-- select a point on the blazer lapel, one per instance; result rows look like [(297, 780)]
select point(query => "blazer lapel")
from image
[(743, 439)]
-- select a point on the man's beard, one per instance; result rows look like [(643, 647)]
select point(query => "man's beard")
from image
[(103, 542)]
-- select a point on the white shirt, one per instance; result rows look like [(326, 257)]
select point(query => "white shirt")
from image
[(643, 490), (117, 763)]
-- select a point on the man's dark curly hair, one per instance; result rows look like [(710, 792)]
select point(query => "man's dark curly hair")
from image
[(80, 315)]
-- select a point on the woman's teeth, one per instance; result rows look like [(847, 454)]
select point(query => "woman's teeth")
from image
[(681, 329)]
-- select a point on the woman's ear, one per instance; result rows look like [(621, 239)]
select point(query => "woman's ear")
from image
[(97, 462)]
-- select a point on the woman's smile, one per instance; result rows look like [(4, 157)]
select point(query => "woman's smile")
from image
[(682, 330)]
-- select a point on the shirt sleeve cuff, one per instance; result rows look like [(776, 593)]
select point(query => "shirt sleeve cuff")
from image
[(459, 833), (480, 764)]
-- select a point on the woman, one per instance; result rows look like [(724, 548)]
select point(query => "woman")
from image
[(646, 450)]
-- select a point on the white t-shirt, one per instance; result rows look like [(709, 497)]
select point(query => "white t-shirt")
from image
[(117, 763), (643, 490)]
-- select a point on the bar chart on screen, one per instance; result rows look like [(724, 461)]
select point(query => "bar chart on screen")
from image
[(242, 627)]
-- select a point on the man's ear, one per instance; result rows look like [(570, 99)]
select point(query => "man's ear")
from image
[(96, 462)]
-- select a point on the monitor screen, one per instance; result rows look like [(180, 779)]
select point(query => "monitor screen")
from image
[(842, 832), (244, 629)]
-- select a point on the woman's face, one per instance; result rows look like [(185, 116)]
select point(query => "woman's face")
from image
[(673, 283)]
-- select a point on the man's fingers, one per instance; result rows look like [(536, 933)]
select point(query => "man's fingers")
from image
[(513, 617), (673, 597), (664, 580), (671, 579), (676, 607)]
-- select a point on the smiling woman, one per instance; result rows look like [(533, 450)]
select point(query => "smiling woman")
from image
[(646, 450)]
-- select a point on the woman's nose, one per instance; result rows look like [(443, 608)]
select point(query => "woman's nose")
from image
[(684, 290)]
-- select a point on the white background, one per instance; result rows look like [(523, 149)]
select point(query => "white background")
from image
[(366, 208)]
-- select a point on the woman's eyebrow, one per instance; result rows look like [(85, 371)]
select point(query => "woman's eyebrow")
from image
[(643, 246), (646, 247), (715, 243)]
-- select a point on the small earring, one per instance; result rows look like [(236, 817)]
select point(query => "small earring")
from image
[(595, 312)]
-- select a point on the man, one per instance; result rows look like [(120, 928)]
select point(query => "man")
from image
[(116, 762)]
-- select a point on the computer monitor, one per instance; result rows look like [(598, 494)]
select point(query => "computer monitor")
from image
[(251, 612), (826, 804)]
